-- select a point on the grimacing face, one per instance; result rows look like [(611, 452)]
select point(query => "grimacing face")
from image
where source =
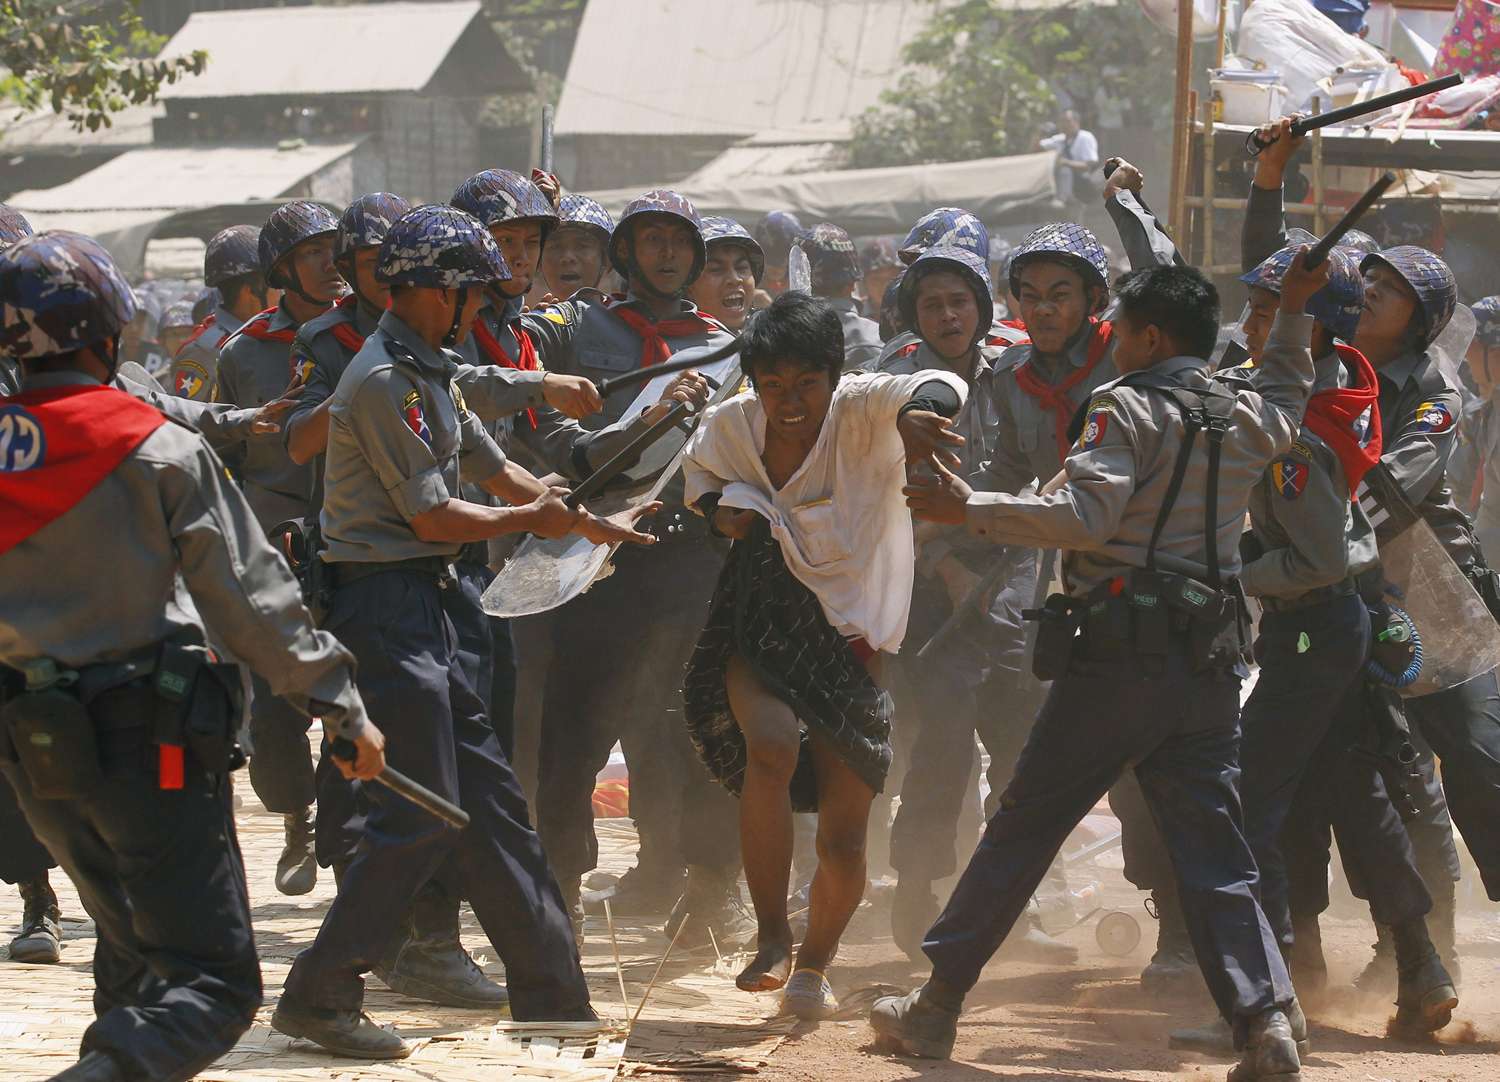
[(726, 286), (795, 397), (947, 314), (1054, 302)]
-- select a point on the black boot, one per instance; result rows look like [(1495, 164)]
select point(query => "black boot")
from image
[(1378, 978), (1425, 997), (1174, 967), (1442, 927), (1305, 963), (93, 1067), (297, 870), (344, 1033), (714, 903), (426, 960), (646, 892), (1270, 1051), (921, 1023), (914, 908), (41, 923), (1216, 1038)]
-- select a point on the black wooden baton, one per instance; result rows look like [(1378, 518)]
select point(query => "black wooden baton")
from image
[(1319, 252), (627, 456), (399, 783), (1300, 127), (677, 364)]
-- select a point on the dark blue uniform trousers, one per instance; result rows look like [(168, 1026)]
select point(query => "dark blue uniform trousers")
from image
[(281, 766), (1180, 731), (22, 856), (437, 734), (176, 977), (1462, 726)]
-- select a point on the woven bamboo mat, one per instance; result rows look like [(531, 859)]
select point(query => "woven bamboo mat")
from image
[(45, 1009)]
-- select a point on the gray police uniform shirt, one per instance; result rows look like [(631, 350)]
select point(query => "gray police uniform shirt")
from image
[(1311, 533), (1026, 446), (1485, 439), (979, 426), (400, 441), (862, 343), (184, 539), (1119, 471), (197, 363), (252, 372)]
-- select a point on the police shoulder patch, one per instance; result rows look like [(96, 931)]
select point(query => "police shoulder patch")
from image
[(1289, 476), (411, 407), (1096, 423), (1300, 448), (189, 380), (1434, 417)]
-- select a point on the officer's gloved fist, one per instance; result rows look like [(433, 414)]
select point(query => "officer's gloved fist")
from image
[(618, 527), (942, 498), (572, 396)]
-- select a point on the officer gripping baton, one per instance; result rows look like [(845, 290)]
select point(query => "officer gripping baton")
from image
[(399, 783), (1319, 252), (1301, 126), (666, 368), (627, 455)]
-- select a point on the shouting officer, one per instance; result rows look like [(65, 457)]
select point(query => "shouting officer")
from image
[(1153, 680), (135, 802), (232, 266), (577, 252), (734, 264), (296, 256), (399, 438)]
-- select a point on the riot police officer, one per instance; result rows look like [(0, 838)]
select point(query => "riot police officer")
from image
[(1153, 680), (835, 269), (231, 265), (134, 800), (734, 264)]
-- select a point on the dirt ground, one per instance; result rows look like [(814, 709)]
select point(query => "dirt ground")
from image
[(1091, 1020)]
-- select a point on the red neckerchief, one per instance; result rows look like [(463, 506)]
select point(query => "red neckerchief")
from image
[(654, 348), (208, 321), (63, 442), (496, 352), (1338, 415), (1056, 398), (260, 327), (344, 332)]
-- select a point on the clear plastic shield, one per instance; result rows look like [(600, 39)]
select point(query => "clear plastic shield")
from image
[(1460, 639), (798, 271), (1449, 348)]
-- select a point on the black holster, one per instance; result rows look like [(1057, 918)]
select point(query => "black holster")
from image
[(1057, 626), (203, 706), (1390, 748), (301, 544)]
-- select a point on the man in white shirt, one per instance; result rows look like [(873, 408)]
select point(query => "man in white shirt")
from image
[(1077, 155)]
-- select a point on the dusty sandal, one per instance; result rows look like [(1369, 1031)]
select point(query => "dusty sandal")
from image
[(809, 996)]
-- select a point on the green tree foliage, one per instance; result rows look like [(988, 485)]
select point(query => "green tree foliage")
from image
[(986, 79), (88, 58)]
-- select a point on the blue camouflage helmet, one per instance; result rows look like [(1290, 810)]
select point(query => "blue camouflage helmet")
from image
[(1360, 241), (719, 230), (1065, 243), (775, 233), (366, 221), (60, 291), (178, 314), (1337, 305), (439, 247), (1430, 277), (13, 226), (830, 254), (970, 267), (232, 253), (1487, 320), (878, 253), (501, 195), (658, 201), (581, 212), (293, 224), (946, 227)]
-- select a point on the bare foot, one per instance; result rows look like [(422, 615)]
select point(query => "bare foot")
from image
[(770, 967)]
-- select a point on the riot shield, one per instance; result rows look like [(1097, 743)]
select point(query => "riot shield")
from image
[(545, 573), (1449, 348), (133, 372), (1459, 638)]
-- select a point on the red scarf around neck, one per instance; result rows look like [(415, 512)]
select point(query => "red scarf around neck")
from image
[(491, 347), (1056, 398), (654, 348), (344, 332), (1348, 418), (208, 321), (57, 444), (259, 326)]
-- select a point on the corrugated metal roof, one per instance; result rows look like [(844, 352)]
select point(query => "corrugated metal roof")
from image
[(347, 49), (175, 178), (45, 130), (707, 67)]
